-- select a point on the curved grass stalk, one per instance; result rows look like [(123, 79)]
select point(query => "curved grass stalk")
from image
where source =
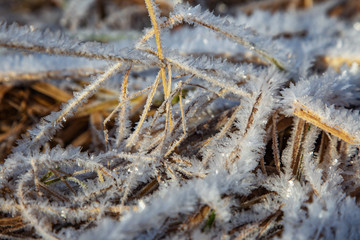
[(133, 136), (73, 104), (166, 83)]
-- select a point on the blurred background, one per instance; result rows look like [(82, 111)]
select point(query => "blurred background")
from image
[(132, 15)]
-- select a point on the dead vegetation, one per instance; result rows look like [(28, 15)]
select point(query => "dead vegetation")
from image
[(170, 143)]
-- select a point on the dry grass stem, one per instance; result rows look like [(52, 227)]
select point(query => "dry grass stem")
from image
[(145, 112), (275, 145), (310, 116), (234, 144)]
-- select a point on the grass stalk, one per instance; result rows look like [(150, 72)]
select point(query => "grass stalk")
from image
[(310, 116)]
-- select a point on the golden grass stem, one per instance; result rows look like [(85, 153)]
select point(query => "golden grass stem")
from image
[(168, 104), (122, 112), (155, 25), (310, 116)]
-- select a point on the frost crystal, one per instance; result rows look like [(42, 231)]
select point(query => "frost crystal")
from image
[(205, 127)]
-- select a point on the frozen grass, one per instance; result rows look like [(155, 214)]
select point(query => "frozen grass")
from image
[(241, 127)]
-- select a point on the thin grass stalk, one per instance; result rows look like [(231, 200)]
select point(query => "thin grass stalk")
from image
[(168, 104), (268, 224), (123, 109), (219, 135), (74, 103), (52, 192), (237, 151), (310, 116), (207, 77), (166, 83), (62, 179), (76, 73), (155, 25), (275, 145), (25, 211), (243, 42), (183, 121), (127, 188), (147, 189), (178, 19), (145, 112), (262, 166), (300, 124), (195, 220), (322, 149), (161, 108), (170, 172), (36, 180), (247, 232), (10, 221), (116, 109), (74, 53)]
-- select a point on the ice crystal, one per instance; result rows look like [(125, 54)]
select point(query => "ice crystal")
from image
[(232, 127)]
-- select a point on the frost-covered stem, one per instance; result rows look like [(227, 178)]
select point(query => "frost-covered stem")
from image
[(144, 113), (322, 148), (161, 108), (252, 115), (127, 189), (168, 117), (219, 135), (310, 116), (107, 119), (170, 22), (262, 166), (75, 73), (25, 211), (62, 179), (166, 84), (183, 121), (207, 77), (275, 145), (154, 22), (270, 222), (250, 122), (296, 143), (168, 104), (74, 104), (36, 180), (123, 111), (178, 19), (67, 52), (250, 45)]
